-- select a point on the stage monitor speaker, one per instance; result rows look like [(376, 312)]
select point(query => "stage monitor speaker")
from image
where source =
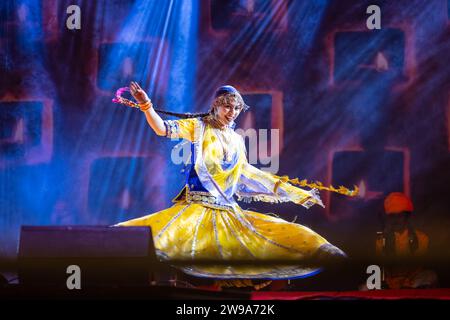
[(98, 255)]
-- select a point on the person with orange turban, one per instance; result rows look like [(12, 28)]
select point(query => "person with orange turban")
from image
[(400, 239)]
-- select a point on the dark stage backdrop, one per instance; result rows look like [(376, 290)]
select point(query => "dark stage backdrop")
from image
[(335, 102)]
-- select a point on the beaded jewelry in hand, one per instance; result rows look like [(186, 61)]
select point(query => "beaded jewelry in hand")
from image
[(119, 99)]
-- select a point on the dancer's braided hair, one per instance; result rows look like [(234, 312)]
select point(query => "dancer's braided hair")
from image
[(220, 100), (186, 115)]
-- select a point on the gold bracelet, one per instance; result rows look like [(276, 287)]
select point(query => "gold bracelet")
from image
[(145, 106)]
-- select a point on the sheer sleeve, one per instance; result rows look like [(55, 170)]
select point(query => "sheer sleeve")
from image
[(257, 185), (183, 128)]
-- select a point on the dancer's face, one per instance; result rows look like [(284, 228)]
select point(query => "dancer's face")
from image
[(228, 112)]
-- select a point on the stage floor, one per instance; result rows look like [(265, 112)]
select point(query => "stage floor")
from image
[(12, 292)]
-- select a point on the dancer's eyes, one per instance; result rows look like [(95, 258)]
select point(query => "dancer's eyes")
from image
[(236, 108)]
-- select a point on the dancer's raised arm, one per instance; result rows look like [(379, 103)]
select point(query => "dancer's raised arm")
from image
[(153, 119)]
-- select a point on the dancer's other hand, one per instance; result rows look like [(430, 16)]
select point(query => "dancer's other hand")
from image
[(138, 93)]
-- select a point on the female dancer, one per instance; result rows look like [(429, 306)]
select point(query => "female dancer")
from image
[(206, 222)]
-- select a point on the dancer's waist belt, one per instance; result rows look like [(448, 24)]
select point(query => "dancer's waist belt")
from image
[(201, 197)]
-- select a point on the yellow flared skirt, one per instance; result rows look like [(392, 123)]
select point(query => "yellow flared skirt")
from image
[(194, 231)]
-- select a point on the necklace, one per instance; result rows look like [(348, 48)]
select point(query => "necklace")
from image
[(220, 134)]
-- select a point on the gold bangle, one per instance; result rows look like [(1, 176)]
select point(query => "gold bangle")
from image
[(145, 106)]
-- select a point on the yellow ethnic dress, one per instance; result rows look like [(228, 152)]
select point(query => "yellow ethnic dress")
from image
[(205, 221)]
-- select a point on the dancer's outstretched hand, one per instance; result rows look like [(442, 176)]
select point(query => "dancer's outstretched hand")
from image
[(138, 93)]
